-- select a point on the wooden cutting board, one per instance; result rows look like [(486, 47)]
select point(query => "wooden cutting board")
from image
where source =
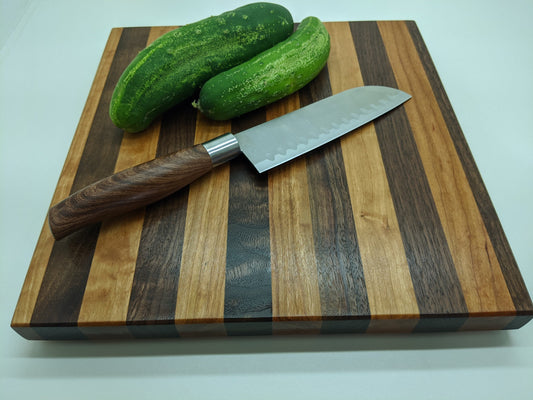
[(388, 229)]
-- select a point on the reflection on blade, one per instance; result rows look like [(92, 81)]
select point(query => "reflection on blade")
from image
[(291, 135)]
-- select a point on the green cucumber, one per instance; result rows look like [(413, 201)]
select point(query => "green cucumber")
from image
[(269, 76), (175, 66)]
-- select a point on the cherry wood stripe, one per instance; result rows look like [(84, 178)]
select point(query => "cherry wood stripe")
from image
[(295, 291), (200, 297), (387, 276), (248, 291), (108, 288), (515, 283), (37, 268), (340, 274), (66, 274), (157, 271), (435, 279)]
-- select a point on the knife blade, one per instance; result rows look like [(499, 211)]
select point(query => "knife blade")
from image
[(266, 145)]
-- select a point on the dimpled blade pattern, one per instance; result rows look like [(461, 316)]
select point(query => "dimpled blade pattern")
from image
[(291, 135)]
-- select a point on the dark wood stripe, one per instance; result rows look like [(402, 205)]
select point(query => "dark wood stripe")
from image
[(520, 320), (513, 277), (155, 283), (63, 285), (101, 149), (248, 290), (435, 280), (340, 273)]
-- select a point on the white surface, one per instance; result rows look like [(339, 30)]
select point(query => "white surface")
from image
[(49, 54)]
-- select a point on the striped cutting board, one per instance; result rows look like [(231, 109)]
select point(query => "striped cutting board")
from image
[(388, 229)]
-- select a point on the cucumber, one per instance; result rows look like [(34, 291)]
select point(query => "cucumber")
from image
[(176, 65), (269, 76)]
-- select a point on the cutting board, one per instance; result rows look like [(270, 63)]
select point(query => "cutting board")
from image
[(389, 229)]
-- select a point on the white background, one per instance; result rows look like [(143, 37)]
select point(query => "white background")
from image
[(49, 54)]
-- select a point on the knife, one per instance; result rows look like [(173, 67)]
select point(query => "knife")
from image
[(266, 145)]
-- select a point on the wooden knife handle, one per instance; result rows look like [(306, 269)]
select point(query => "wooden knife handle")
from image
[(129, 189)]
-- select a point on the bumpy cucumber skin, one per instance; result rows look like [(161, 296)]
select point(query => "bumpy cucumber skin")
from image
[(176, 65), (269, 76)]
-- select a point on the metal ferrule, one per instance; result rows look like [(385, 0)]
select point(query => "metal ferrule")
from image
[(222, 149)]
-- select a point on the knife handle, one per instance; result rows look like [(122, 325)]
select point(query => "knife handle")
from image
[(129, 189)]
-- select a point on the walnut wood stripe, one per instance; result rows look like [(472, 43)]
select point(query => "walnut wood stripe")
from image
[(482, 281), (200, 297), (295, 292), (66, 274), (507, 262), (37, 268), (105, 138), (340, 274), (248, 289), (435, 280), (152, 302), (108, 288), (387, 278)]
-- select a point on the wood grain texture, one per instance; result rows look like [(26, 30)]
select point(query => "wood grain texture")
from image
[(155, 284), (389, 229), (200, 296), (108, 288), (37, 268), (388, 281), (515, 283), (248, 289), (341, 278), (61, 291), (129, 190), (435, 280), (477, 267), (295, 292)]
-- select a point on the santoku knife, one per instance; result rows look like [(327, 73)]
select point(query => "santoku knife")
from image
[(266, 145)]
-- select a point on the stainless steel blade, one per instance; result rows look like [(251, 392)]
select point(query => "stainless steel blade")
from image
[(291, 135)]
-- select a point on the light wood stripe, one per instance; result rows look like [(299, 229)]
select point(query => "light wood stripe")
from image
[(37, 268), (388, 281), (108, 288), (295, 292), (481, 278), (202, 275)]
